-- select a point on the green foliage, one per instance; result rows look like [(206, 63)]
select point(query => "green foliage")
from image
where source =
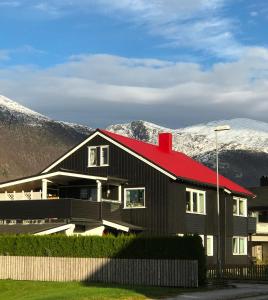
[(123, 246)]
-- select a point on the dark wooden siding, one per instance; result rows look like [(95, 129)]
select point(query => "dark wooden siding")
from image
[(138, 174), (165, 211)]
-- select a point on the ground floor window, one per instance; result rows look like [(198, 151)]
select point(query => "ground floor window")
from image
[(239, 245), (134, 198), (210, 245)]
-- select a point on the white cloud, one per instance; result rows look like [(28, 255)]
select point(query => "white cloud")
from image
[(4, 55), (88, 87), (199, 25)]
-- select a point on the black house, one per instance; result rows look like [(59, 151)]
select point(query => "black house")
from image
[(111, 183)]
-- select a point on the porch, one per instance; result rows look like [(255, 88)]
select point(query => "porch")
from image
[(62, 197), (62, 185)]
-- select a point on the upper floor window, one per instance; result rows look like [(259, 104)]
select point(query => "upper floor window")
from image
[(104, 155), (98, 156), (239, 206), (134, 198), (92, 156), (239, 245), (195, 201)]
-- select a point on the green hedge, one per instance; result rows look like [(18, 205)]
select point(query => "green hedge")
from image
[(187, 247)]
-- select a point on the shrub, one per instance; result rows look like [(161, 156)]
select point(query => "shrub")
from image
[(122, 246)]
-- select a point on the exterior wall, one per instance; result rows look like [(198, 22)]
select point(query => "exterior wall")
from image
[(138, 174), (165, 201)]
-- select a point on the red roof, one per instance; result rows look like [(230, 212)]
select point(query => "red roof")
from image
[(176, 163)]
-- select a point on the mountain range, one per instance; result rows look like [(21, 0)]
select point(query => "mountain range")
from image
[(30, 141)]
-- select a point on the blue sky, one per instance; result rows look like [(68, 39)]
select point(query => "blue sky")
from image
[(172, 62)]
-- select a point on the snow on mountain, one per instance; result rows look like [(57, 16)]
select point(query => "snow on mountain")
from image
[(18, 110), (15, 112), (199, 140)]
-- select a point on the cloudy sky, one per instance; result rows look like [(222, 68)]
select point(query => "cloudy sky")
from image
[(171, 62)]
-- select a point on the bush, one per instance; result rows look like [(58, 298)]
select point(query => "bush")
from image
[(123, 246)]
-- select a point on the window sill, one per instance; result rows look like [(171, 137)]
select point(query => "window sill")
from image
[(240, 216), (112, 201), (98, 166), (195, 213), (238, 254), (134, 207)]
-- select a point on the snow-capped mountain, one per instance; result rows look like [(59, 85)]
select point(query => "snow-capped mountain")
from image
[(243, 149), (30, 141), (13, 112), (245, 134)]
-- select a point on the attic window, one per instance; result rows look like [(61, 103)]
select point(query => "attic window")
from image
[(98, 156), (104, 155), (92, 156)]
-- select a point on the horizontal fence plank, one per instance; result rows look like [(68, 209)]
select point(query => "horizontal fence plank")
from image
[(151, 272)]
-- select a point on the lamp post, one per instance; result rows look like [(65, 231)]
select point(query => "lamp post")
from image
[(216, 130)]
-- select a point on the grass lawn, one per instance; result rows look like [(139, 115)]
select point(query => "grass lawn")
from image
[(34, 290)]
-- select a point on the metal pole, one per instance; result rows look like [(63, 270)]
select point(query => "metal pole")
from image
[(218, 208)]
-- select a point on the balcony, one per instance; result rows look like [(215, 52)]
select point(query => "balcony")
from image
[(50, 209), (252, 225), (262, 228)]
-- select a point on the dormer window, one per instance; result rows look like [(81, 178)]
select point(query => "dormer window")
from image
[(98, 156)]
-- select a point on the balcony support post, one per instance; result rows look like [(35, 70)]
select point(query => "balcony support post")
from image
[(44, 188), (98, 190)]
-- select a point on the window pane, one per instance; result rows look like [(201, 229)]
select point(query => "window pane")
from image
[(242, 208), (93, 157), (201, 203), (104, 156), (188, 201), (135, 198), (235, 245), (194, 202), (84, 193), (235, 207), (209, 245), (110, 192), (242, 245), (93, 194)]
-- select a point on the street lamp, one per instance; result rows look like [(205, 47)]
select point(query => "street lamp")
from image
[(218, 129)]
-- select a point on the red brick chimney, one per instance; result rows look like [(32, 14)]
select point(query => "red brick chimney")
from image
[(165, 141)]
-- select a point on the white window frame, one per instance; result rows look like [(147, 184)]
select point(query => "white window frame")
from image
[(119, 195), (108, 156), (125, 197), (88, 163), (210, 250), (245, 246), (237, 199), (198, 201)]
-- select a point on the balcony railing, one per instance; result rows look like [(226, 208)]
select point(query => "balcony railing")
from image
[(49, 209), (252, 224), (72, 209), (21, 195)]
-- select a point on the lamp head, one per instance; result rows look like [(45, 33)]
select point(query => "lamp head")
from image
[(222, 128)]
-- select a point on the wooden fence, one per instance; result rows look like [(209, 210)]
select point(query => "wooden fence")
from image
[(152, 272), (246, 272)]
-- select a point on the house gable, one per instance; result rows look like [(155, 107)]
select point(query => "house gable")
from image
[(81, 151)]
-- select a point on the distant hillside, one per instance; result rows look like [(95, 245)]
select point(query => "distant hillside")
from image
[(30, 141)]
